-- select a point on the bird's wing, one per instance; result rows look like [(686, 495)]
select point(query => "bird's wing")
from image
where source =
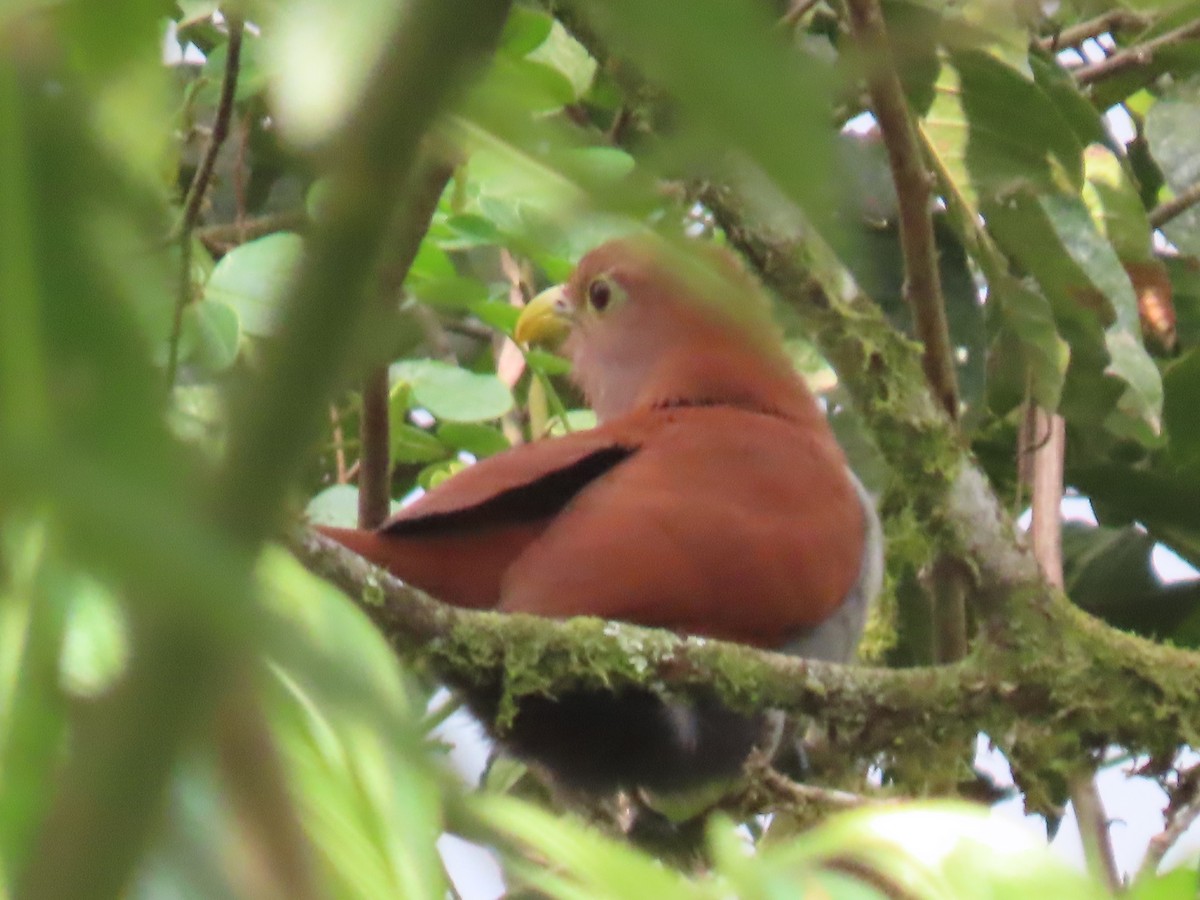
[(457, 541), (725, 523)]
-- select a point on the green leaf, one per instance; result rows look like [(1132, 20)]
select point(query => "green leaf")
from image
[(453, 293), (1078, 111), (939, 849), (345, 719), (1115, 205), (479, 440), (498, 314), (318, 55), (1027, 322), (434, 474), (1179, 884), (454, 394), (464, 231), (1181, 387), (524, 30), (577, 420), (410, 444), (739, 88), (1109, 572), (253, 278), (209, 335), (994, 130), (1052, 235), (431, 264), (547, 363), (568, 56), (587, 864), (251, 79), (1175, 142), (336, 505)]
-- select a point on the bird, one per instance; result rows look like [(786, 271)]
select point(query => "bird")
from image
[(711, 499)]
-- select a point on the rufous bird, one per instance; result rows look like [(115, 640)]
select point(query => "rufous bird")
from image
[(711, 499)]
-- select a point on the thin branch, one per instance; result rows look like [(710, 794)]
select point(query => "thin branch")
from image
[(1137, 56), (374, 473), (1179, 820), (221, 237), (1044, 443), (796, 11), (1169, 209), (1114, 20), (1093, 831), (922, 281), (803, 794), (406, 232), (220, 128), (199, 188), (339, 444)]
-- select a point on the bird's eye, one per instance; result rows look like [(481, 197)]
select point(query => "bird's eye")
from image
[(599, 294)]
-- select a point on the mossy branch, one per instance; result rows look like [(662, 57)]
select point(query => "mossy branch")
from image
[(1068, 686)]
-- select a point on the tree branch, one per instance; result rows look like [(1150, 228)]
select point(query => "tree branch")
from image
[(1093, 830), (1072, 686), (1180, 818), (199, 187), (1136, 56), (1169, 209), (374, 471), (922, 282), (1114, 20), (219, 238)]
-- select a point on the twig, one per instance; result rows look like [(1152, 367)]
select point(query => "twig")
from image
[(803, 794), (1093, 830), (1044, 443), (374, 473), (199, 187), (922, 282), (1179, 820), (1169, 209), (1043, 440), (219, 238), (1135, 56), (1105, 23), (339, 444), (796, 11), (405, 234)]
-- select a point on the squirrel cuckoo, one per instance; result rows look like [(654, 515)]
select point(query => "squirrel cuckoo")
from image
[(711, 499)]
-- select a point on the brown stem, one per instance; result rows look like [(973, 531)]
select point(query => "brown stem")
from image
[(199, 187), (1093, 830), (1169, 209), (221, 237), (1179, 820), (339, 444), (1136, 56), (406, 232), (374, 474), (796, 11), (1044, 445), (922, 281), (1105, 23)]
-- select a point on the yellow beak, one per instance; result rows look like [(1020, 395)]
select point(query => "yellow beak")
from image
[(546, 318)]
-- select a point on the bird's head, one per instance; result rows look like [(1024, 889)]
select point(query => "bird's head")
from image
[(647, 323)]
